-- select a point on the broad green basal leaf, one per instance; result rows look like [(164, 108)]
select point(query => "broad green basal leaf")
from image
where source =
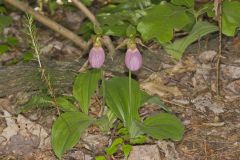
[(84, 86), (66, 105), (200, 29), (117, 99), (230, 17), (163, 126), (67, 130), (187, 3), (161, 20)]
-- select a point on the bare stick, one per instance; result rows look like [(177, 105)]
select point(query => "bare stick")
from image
[(219, 14), (49, 23), (106, 39)]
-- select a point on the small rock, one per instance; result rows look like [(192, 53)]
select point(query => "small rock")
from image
[(202, 75), (97, 142), (234, 87), (230, 72), (34, 116), (169, 150), (186, 122), (207, 56), (145, 152), (205, 101), (75, 155)]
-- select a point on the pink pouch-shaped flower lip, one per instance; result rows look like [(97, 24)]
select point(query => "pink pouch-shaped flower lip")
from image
[(133, 59), (96, 57)]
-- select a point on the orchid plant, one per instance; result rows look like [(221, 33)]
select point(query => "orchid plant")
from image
[(123, 98)]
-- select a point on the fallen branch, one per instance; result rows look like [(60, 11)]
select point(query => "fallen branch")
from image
[(218, 13), (106, 39), (49, 23)]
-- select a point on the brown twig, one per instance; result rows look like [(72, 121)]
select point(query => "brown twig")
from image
[(219, 14), (49, 23), (106, 39)]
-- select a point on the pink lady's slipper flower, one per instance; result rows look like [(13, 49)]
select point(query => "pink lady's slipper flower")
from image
[(96, 57), (133, 59)]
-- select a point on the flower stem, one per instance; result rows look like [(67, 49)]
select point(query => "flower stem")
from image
[(130, 89), (103, 94)]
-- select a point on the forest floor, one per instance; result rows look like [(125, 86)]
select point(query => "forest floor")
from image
[(188, 87)]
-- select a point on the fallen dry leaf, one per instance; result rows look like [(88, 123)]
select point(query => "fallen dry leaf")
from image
[(155, 85)]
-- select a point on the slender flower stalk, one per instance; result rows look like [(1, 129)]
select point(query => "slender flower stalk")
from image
[(103, 94), (130, 89)]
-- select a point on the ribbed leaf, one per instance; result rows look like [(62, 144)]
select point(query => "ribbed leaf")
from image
[(117, 98), (163, 126), (67, 130), (230, 17), (161, 20), (66, 105), (84, 86), (187, 3), (200, 29)]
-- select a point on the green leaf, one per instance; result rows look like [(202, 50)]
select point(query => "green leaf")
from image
[(200, 29), (103, 123), (146, 98), (230, 17), (114, 146), (117, 99), (126, 148), (187, 3), (86, 30), (122, 131), (161, 20), (66, 105), (2, 9), (117, 141), (207, 8), (87, 2), (52, 6), (67, 130), (111, 150), (131, 31), (5, 21), (3, 49), (98, 30), (163, 126), (115, 30), (100, 158), (141, 139), (84, 87)]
